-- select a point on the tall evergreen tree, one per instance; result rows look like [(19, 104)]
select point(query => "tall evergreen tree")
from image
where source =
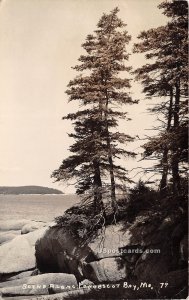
[(101, 94), (165, 77)]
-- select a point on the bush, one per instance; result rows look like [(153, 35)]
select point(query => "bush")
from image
[(141, 197), (81, 221)]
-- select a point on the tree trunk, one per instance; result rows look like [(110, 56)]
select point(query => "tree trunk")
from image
[(175, 156), (110, 160), (97, 186), (163, 183), (112, 179), (175, 173), (177, 105), (98, 202)]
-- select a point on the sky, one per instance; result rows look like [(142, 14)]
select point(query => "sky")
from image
[(40, 40)]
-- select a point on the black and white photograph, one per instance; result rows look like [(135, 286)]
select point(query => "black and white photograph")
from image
[(94, 149)]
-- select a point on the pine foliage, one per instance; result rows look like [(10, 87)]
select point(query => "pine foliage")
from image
[(101, 93), (166, 77)]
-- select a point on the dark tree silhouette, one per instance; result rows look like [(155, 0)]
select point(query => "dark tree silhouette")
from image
[(165, 77)]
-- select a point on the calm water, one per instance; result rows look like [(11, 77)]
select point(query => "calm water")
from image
[(34, 207)]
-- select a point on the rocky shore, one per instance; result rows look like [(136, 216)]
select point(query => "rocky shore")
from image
[(150, 251), (17, 246), (145, 258), (19, 275)]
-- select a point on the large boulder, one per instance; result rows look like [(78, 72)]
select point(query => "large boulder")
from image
[(39, 285), (6, 225), (16, 256), (104, 258), (58, 251), (106, 270), (144, 249), (19, 254), (161, 252)]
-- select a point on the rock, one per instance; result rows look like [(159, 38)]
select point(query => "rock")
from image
[(8, 236), (7, 225), (32, 237), (34, 225), (85, 282), (70, 295), (106, 270), (19, 254), (16, 256), (115, 252), (152, 266), (57, 251), (115, 237), (21, 275), (54, 250), (35, 272), (184, 249), (39, 285)]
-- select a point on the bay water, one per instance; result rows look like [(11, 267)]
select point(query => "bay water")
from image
[(35, 207)]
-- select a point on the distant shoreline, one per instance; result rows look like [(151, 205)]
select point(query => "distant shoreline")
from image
[(70, 194), (29, 190)]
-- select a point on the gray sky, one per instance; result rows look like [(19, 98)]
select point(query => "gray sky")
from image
[(39, 42)]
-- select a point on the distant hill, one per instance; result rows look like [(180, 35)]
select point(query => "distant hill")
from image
[(30, 189)]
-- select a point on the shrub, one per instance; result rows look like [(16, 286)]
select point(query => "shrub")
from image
[(81, 221)]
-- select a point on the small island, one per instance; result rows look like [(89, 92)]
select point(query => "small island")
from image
[(29, 189)]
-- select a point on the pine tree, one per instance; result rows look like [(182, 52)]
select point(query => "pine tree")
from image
[(165, 77), (99, 90)]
